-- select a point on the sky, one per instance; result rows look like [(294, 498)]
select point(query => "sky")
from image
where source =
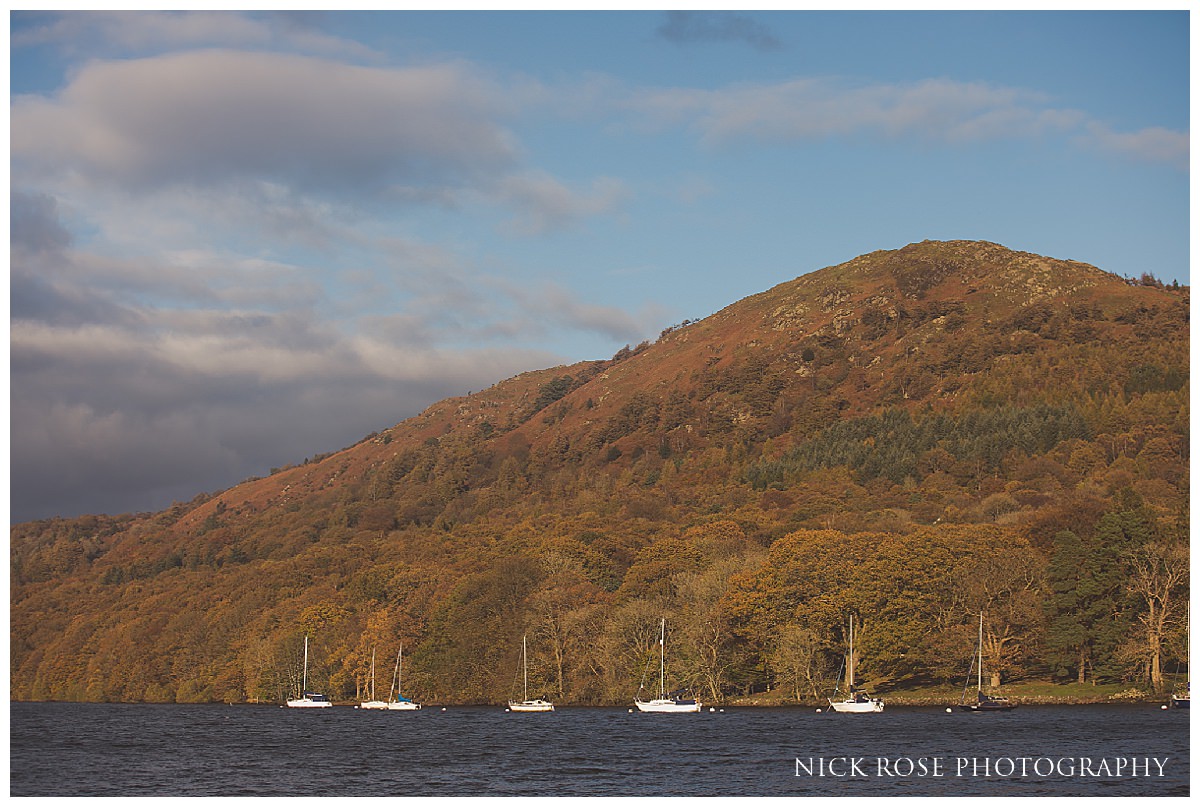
[(239, 240)]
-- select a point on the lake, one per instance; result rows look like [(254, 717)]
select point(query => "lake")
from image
[(68, 749)]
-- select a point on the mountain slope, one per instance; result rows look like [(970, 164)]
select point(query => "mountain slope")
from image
[(1000, 395)]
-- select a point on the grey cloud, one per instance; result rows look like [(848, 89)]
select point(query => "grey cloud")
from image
[(209, 117), (72, 457), (36, 297), (42, 281), (85, 287), (706, 26), (122, 400), (131, 415), (34, 223)]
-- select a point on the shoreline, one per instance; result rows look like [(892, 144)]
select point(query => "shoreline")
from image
[(744, 702)]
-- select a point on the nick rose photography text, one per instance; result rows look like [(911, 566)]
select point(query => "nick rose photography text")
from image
[(986, 767)]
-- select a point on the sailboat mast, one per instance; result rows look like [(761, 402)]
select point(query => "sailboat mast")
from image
[(662, 661), (850, 663), (372, 673), (981, 651), (304, 685), (1187, 661), (394, 688), (525, 666)]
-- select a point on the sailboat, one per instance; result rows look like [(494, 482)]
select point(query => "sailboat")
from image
[(983, 702), (308, 700), (373, 704), (856, 701), (1184, 700), (527, 705), (665, 702), (401, 703)]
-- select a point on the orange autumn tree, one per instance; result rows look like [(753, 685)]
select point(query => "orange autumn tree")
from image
[(913, 595)]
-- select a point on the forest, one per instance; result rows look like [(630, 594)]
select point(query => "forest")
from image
[(914, 438)]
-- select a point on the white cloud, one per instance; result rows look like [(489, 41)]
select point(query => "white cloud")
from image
[(210, 117), (551, 304), (544, 204), (811, 108), (939, 110), (1153, 144), (92, 33)]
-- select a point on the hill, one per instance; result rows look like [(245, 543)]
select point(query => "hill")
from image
[(914, 435)]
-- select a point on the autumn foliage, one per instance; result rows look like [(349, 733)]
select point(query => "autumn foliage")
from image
[(913, 437)]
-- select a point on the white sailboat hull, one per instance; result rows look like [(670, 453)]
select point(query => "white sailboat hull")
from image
[(666, 705), (857, 707), (403, 706), (377, 705), (309, 703), (531, 706)]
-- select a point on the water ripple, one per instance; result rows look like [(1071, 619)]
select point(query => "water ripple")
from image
[(142, 750)]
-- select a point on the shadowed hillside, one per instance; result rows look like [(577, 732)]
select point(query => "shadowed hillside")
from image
[(912, 436)]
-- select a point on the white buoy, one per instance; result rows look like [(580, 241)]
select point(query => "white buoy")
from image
[(818, 711), (1164, 706), (949, 710), (722, 711), (630, 711), (443, 708)]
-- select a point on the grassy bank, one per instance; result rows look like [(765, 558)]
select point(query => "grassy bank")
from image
[(1028, 692)]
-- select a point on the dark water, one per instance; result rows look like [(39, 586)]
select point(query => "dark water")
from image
[(141, 750)]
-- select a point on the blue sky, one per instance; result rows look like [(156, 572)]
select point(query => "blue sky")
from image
[(242, 239)]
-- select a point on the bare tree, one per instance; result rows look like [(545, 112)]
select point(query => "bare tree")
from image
[(705, 626), (628, 645), (797, 661), (1158, 571)]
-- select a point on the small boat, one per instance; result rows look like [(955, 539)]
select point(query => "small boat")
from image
[(1184, 700), (401, 703), (308, 700), (666, 701), (373, 704), (983, 702), (856, 701), (528, 704)]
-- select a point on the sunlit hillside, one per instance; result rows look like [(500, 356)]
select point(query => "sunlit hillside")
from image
[(913, 437)]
